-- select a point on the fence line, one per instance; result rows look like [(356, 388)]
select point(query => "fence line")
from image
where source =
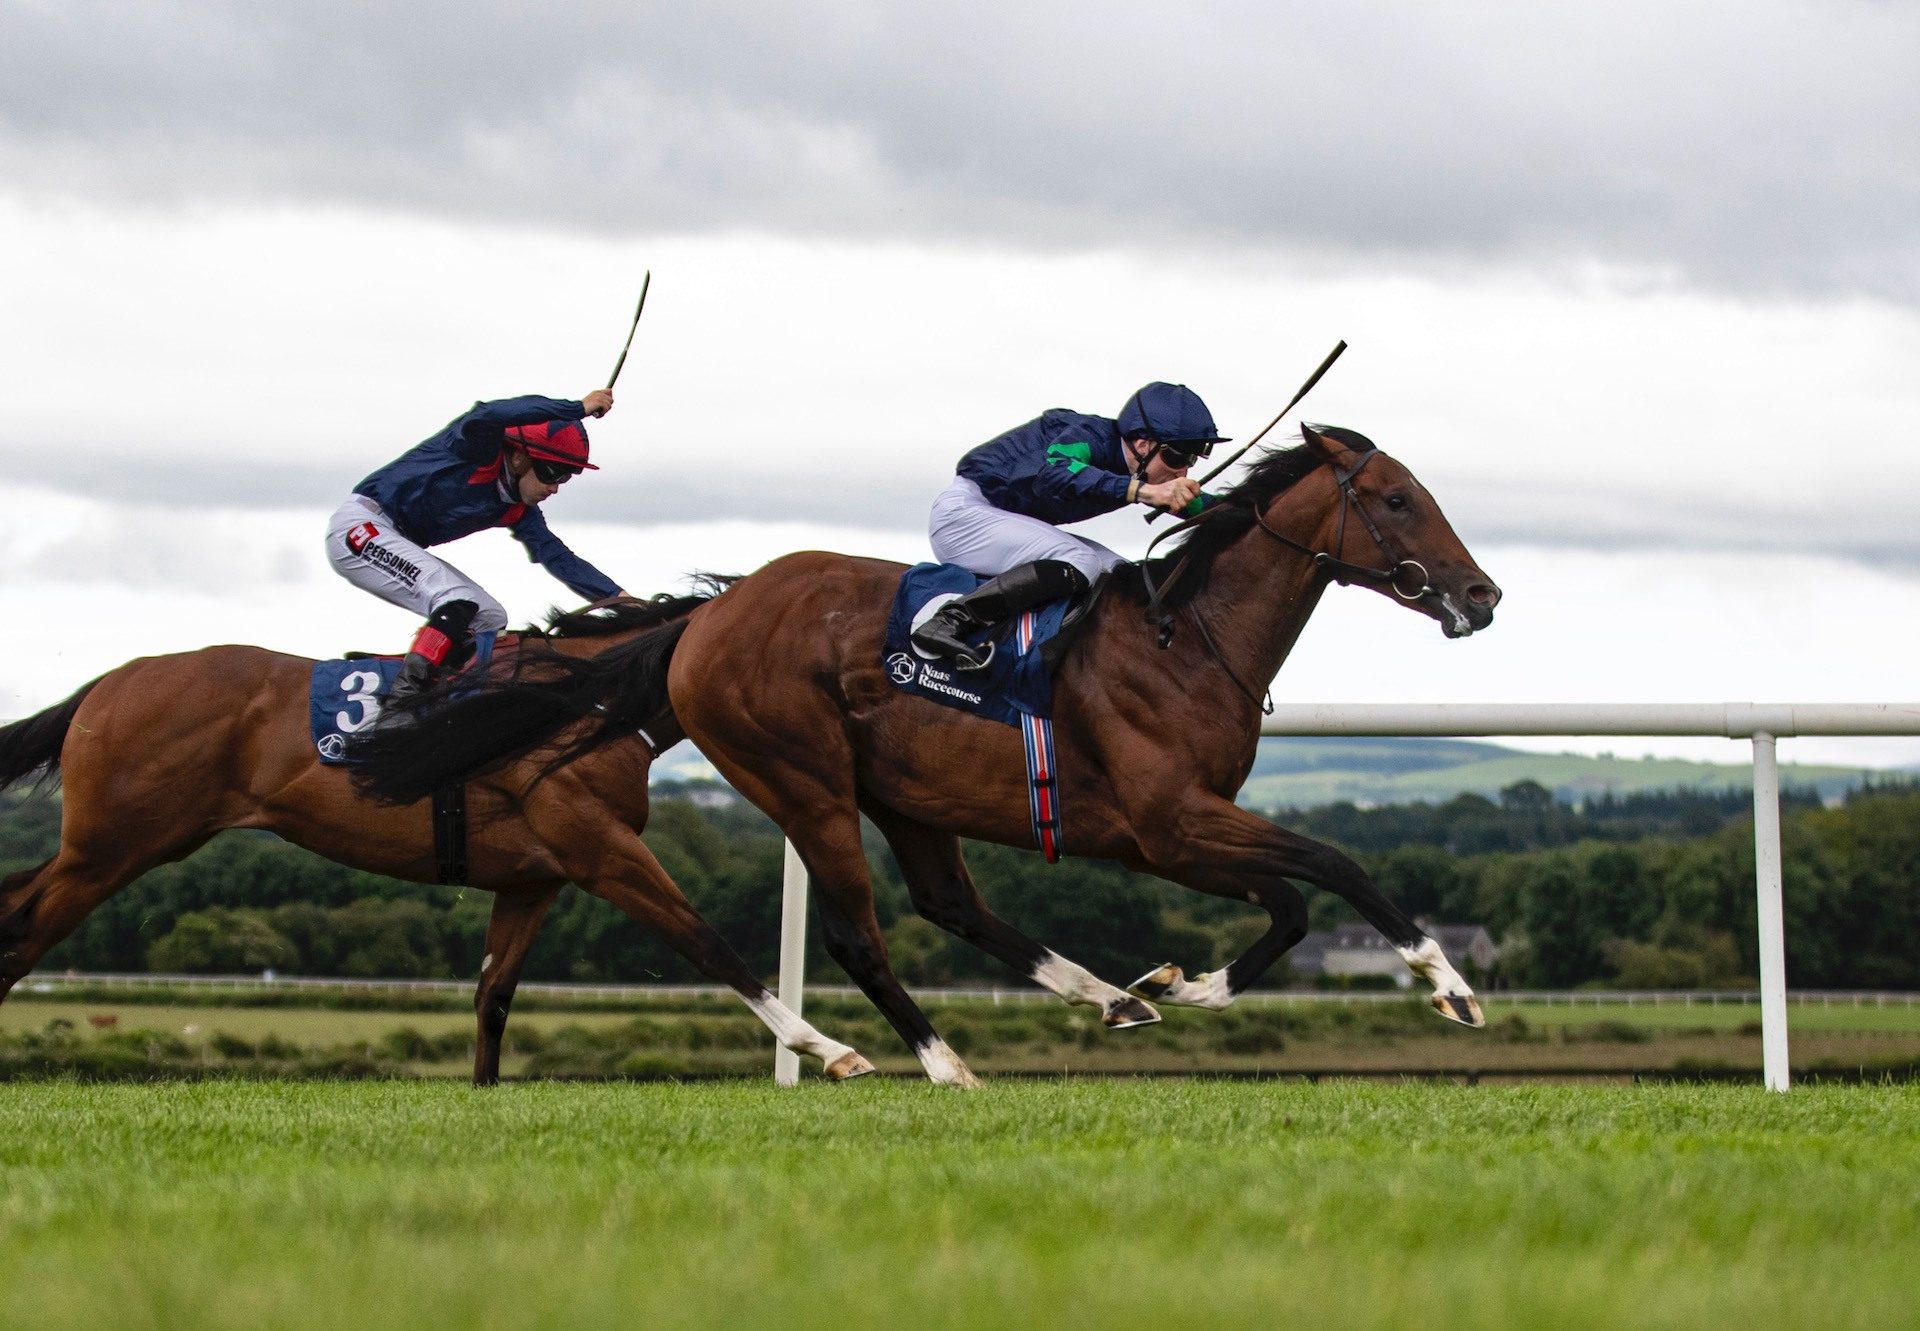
[(1570, 998)]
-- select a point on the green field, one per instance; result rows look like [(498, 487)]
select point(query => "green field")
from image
[(688, 1036), (1067, 1202)]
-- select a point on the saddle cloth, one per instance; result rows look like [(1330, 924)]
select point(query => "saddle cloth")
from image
[(344, 696), (1014, 687), (1016, 683)]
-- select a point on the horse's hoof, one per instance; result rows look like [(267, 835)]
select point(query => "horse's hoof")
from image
[(848, 1066), (1463, 1008), (1129, 1012), (1157, 983)]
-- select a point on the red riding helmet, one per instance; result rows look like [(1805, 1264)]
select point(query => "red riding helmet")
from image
[(564, 442)]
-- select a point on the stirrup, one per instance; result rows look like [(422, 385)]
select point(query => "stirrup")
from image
[(939, 637)]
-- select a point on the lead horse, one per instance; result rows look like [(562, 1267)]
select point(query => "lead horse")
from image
[(780, 683), (157, 756)]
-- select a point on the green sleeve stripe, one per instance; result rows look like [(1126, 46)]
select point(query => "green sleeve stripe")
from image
[(1075, 456)]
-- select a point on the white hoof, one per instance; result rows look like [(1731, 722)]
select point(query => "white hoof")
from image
[(1169, 984)]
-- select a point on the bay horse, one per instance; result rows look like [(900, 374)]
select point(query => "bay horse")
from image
[(780, 682), (157, 756)]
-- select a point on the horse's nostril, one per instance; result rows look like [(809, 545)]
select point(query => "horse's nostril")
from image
[(1484, 594)]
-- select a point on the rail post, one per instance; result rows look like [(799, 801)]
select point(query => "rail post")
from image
[(1767, 879), (793, 958)]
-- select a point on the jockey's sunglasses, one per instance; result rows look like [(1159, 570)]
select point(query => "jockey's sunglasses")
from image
[(1180, 457), (551, 472)]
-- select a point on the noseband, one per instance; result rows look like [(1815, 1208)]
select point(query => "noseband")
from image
[(1342, 571)]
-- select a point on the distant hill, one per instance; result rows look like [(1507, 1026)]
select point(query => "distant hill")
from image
[(1305, 773)]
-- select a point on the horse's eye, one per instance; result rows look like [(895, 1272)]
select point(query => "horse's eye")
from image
[(1396, 502)]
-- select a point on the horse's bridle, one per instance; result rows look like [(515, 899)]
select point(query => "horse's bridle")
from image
[(1346, 573), (1342, 571)]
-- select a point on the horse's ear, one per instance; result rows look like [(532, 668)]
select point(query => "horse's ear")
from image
[(1326, 443)]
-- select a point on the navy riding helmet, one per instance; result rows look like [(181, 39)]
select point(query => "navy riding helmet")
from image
[(1171, 414)]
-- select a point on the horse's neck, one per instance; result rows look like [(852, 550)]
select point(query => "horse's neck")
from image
[(1261, 593)]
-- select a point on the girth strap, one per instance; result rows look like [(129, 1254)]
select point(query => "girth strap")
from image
[(450, 834)]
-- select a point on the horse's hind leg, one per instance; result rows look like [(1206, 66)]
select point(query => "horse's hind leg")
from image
[(1217, 989), (944, 892), (43, 906), (16, 915), (511, 929)]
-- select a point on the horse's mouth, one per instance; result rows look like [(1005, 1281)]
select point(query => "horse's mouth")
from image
[(1456, 622)]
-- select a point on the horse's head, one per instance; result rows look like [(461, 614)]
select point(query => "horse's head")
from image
[(1388, 533)]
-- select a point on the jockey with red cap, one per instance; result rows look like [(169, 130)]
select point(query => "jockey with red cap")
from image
[(489, 468)]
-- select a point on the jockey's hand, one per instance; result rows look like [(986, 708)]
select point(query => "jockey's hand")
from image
[(598, 403), (1172, 495)]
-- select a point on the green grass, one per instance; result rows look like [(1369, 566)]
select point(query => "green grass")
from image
[(706, 1037), (1720, 1017), (1059, 1203)]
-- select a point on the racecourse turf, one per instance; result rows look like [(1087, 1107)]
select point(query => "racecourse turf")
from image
[(891, 1203)]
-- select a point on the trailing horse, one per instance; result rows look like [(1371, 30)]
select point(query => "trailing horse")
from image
[(157, 756), (780, 683)]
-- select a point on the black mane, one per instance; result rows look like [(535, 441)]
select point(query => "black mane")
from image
[(622, 616), (1274, 472)]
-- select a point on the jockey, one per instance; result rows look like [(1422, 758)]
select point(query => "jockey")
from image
[(999, 517), (489, 468)]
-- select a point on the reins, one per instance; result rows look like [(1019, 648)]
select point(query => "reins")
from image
[(1341, 570)]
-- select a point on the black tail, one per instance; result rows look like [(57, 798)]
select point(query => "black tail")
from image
[(31, 748), (480, 730)]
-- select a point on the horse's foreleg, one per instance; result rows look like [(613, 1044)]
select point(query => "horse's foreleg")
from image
[(944, 892), (616, 866), (803, 780), (1218, 847), (511, 929), (661, 907)]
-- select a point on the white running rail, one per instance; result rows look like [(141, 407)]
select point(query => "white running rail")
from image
[(1762, 723)]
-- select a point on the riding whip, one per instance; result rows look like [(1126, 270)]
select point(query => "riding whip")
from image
[(618, 365), (1305, 388)]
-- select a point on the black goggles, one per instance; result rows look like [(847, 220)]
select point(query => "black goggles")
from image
[(1184, 457), (551, 472)]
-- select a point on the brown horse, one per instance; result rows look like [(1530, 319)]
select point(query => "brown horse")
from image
[(157, 756), (780, 683)]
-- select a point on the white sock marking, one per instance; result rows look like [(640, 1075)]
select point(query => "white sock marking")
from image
[(792, 1032), (1076, 984), (943, 1066), (1426, 960)]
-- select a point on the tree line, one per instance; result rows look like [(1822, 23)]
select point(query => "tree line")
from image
[(1637, 891)]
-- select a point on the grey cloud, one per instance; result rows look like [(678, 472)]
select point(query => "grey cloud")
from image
[(1485, 514), (1759, 148)]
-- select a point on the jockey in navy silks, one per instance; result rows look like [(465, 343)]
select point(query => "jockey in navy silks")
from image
[(1000, 517), (491, 467)]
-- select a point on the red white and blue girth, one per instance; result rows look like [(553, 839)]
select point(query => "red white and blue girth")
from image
[(1042, 787)]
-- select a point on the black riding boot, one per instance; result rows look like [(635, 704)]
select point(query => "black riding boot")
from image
[(445, 641), (992, 604)]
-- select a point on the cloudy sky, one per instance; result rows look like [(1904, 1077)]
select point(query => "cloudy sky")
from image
[(1634, 288)]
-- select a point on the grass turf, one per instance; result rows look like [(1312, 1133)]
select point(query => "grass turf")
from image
[(1090, 1203)]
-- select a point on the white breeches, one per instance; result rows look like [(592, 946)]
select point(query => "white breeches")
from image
[(967, 530), (364, 549)]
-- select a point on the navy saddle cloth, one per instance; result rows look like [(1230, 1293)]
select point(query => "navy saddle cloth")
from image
[(344, 696), (1017, 682), (344, 699)]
